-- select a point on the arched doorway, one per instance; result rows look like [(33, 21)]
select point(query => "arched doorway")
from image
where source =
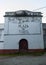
[(23, 45)]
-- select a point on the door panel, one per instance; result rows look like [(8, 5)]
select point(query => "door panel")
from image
[(23, 45)]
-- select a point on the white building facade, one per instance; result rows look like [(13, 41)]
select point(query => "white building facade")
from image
[(1, 38), (23, 31)]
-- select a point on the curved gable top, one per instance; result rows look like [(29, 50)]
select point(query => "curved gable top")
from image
[(22, 13)]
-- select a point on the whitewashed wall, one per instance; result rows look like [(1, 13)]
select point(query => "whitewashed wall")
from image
[(15, 26), (33, 33), (1, 45), (34, 41), (1, 36)]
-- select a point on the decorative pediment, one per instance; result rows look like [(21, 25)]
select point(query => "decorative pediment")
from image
[(22, 13)]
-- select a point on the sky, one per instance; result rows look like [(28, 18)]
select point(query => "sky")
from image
[(14, 5)]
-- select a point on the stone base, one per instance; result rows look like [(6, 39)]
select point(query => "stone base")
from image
[(13, 51)]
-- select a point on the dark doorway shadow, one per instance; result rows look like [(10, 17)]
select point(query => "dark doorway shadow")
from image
[(23, 45)]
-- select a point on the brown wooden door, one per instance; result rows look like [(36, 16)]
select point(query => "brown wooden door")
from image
[(23, 45)]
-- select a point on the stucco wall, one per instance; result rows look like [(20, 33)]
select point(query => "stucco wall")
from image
[(2, 45), (13, 34), (13, 26), (1, 36), (34, 41)]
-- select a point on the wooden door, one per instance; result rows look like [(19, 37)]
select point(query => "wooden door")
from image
[(23, 45)]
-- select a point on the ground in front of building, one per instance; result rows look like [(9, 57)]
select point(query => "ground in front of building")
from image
[(23, 60)]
